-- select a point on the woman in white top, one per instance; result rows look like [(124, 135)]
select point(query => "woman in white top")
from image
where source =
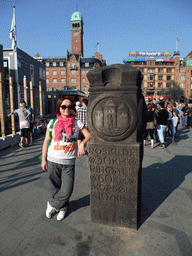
[(60, 158)]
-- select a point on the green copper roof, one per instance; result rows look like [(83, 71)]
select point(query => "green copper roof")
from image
[(76, 16)]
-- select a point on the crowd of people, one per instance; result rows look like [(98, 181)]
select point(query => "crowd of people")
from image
[(162, 120)]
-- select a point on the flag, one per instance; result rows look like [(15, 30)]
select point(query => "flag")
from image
[(96, 44), (13, 31), (177, 39)]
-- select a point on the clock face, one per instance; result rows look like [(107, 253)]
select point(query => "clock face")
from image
[(76, 34)]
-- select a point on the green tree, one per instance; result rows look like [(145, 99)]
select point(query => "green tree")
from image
[(175, 90), (162, 92)]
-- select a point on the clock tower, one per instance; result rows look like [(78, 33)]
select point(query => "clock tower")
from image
[(77, 33)]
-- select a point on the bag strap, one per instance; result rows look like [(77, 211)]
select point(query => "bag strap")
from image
[(51, 127)]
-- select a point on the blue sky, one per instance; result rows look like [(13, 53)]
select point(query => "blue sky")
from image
[(119, 26)]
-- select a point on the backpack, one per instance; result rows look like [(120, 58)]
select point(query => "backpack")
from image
[(50, 135)]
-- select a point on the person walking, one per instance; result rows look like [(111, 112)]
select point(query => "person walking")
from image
[(24, 124), (174, 123), (82, 112), (150, 126), (162, 118), (60, 158), (31, 120), (185, 115)]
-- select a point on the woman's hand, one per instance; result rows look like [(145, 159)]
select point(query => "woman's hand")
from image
[(81, 151), (44, 165)]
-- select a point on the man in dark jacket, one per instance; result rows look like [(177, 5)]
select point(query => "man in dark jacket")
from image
[(162, 117)]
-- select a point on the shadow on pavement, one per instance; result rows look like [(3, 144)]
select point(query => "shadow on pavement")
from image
[(79, 203), (159, 181)]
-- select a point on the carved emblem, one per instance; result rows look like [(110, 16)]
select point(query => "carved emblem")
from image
[(111, 117)]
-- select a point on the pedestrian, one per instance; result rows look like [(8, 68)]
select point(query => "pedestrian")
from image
[(174, 124), (24, 124), (185, 115), (162, 118), (60, 158), (82, 112), (177, 113), (78, 105), (169, 121), (31, 120), (150, 126), (82, 116)]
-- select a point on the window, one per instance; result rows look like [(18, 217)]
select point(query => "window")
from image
[(150, 77), (5, 64), (83, 80), (87, 71), (182, 71), (47, 81), (141, 69), (54, 73), (73, 64), (83, 72), (168, 85), (182, 85), (54, 64), (73, 87), (73, 80), (86, 65), (47, 73), (54, 88), (62, 88), (47, 89), (160, 85), (54, 80), (150, 84), (47, 64), (61, 64), (191, 86), (182, 78), (62, 80), (73, 72), (84, 88), (150, 70), (169, 70), (160, 77), (160, 70), (62, 72), (168, 77)]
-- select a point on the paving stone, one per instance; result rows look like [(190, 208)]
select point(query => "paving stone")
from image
[(149, 251), (10, 240), (31, 215), (184, 212)]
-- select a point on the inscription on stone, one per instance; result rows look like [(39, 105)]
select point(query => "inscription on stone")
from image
[(113, 173), (114, 151)]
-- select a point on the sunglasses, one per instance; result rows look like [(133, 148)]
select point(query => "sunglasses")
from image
[(64, 107)]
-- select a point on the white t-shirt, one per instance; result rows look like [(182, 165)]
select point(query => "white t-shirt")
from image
[(64, 152)]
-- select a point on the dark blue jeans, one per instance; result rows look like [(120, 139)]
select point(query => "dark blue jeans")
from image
[(61, 182)]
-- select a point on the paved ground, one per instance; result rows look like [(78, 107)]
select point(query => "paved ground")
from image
[(166, 208)]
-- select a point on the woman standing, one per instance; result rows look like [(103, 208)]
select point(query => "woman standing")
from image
[(150, 126), (24, 124), (60, 158)]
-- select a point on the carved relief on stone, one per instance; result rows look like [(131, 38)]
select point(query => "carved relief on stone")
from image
[(111, 117)]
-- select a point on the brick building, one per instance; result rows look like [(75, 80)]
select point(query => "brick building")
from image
[(70, 72), (158, 71)]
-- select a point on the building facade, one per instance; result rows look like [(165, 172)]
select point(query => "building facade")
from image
[(159, 71), (24, 66), (70, 72)]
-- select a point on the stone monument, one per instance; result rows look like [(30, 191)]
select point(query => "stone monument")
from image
[(115, 120)]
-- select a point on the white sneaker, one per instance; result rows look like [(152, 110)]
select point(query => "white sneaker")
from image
[(50, 210), (61, 215)]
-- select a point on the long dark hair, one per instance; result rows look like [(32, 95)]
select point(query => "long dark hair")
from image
[(59, 102)]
